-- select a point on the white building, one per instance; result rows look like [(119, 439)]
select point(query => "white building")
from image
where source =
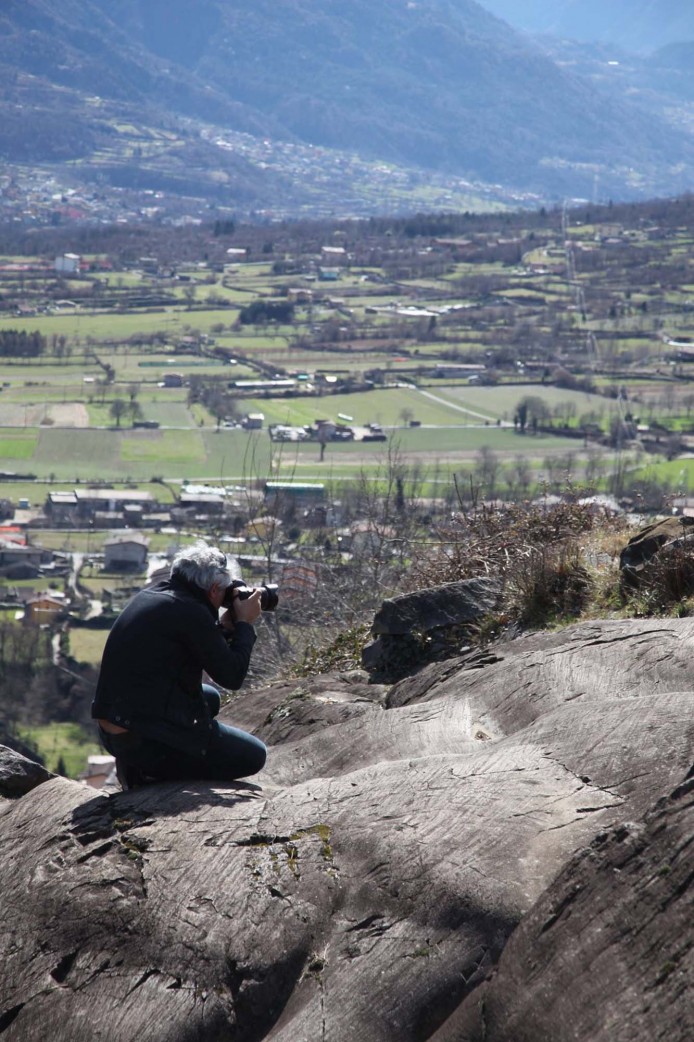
[(68, 263), (98, 771)]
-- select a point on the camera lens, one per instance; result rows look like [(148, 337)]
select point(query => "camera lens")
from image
[(269, 597)]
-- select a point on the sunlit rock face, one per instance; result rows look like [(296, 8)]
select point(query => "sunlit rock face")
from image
[(367, 883), (607, 951)]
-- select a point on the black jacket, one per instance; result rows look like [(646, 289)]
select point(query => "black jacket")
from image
[(151, 670)]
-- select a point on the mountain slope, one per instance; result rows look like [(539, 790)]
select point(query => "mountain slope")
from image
[(74, 87), (77, 47), (440, 85)]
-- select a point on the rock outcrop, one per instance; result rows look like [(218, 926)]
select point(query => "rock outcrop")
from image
[(671, 536), (607, 952), (367, 883), (446, 605), (427, 625), (19, 774)]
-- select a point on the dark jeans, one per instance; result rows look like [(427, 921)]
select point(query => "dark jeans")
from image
[(231, 754)]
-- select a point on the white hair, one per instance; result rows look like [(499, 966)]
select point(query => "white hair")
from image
[(202, 565)]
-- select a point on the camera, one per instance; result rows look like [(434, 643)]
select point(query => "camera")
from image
[(269, 596)]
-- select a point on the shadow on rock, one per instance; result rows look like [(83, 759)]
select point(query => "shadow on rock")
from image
[(161, 800)]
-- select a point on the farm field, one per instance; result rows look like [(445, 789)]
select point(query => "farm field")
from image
[(109, 326), (229, 456), (532, 295), (72, 453), (502, 402), (437, 404), (87, 645)]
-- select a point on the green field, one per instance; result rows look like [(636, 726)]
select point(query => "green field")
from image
[(439, 403), (73, 455), (679, 473), (233, 456), (163, 448), (99, 326), (17, 445), (87, 645), (69, 741)]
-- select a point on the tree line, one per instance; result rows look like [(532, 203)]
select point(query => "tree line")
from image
[(16, 343)]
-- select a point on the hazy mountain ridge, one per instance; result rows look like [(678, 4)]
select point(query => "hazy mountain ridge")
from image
[(80, 48), (661, 83), (641, 25)]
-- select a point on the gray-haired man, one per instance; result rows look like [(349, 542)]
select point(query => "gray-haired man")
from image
[(154, 713)]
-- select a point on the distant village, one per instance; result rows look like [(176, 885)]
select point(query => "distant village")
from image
[(257, 524), (48, 197)]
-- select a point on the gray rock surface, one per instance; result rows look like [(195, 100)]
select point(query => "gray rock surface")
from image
[(428, 625), (607, 952), (447, 605), (18, 774), (369, 880), (650, 540)]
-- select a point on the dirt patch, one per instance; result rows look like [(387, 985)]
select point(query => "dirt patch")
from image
[(68, 414), (58, 414)]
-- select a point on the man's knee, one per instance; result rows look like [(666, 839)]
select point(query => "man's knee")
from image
[(257, 757), (239, 751)]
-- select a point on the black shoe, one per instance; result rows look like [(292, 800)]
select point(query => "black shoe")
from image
[(129, 777)]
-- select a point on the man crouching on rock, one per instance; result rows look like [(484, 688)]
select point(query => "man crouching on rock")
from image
[(154, 713)]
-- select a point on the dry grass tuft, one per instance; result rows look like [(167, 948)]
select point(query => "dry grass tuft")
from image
[(549, 585)]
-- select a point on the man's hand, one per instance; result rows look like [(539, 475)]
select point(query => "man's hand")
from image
[(246, 610)]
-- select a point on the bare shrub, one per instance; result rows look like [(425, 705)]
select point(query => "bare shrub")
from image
[(542, 554), (548, 584), (334, 653)]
